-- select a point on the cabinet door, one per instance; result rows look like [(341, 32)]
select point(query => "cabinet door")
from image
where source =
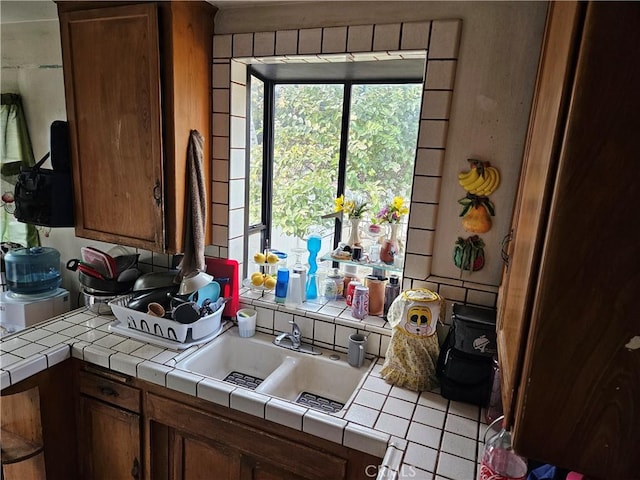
[(196, 458), (109, 442), (186, 442), (256, 469), (534, 193), (112, 86)]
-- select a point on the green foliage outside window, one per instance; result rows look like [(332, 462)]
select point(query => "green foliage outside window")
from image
[(383, 129)]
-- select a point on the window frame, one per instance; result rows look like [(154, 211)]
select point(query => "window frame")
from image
[(268, 143)]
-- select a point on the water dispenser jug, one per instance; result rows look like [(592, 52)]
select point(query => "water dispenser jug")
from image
[(32, 270)]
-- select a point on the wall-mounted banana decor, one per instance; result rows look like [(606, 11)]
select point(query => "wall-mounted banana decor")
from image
[(482, 179), (479, 182), (468, 254)]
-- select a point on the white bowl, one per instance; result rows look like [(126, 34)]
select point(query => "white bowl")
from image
[(194, 282)]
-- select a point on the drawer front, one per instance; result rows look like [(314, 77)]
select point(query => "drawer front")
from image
[(110, 392)]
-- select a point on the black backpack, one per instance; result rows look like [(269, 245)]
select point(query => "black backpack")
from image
[(465, 365)]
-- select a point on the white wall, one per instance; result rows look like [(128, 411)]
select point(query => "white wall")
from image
[(32, 67), (497, 64), (498, 58)]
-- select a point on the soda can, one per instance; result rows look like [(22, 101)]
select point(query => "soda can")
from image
[(351, 288), (360, 303)]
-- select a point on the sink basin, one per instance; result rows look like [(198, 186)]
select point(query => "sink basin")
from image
[(322, 381), (255, 356)]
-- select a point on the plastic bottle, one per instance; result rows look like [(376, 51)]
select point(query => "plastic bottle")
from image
[(350, 274), (282, 282), (500, 461), (391, 291)]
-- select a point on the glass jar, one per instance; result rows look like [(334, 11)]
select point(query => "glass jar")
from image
[(333, 285)]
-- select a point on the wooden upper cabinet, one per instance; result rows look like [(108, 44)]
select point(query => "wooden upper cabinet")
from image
[(137, 81), (568, 325)]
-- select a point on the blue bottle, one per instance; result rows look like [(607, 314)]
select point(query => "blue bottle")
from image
[(282, 282), (314, 243)]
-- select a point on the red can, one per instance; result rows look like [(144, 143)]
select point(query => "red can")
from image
[(350, 289), (360, 304)]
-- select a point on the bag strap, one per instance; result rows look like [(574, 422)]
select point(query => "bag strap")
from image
[(37, 166)]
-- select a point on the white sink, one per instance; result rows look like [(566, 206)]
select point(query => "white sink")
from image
[(285, 374), (255, 356)]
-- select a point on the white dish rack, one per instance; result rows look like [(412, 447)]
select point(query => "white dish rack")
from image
[(165, 328)]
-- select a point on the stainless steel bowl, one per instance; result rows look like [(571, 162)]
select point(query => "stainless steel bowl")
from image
[(97, 303)]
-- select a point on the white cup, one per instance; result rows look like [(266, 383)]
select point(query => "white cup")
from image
[(246, 322), (294, 291)]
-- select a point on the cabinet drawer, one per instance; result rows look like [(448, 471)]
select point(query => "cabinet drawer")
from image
[(109, 391)]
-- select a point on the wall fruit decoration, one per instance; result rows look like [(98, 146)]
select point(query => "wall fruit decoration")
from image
[(468, 254), (476, 212), (482, 179)]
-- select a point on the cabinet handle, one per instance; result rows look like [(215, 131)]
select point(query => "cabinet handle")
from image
[(135, 469), (505, 247), (108, 391), (157, 195)]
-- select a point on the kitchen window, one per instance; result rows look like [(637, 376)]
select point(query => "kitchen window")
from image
[(312, 139)]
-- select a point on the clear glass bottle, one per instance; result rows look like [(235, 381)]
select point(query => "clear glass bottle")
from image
[(500, 461)]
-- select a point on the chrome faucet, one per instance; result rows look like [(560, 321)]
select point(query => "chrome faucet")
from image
[(294, 337)]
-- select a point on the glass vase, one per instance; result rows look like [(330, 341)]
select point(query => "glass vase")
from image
[(354, 236), (390, 246)]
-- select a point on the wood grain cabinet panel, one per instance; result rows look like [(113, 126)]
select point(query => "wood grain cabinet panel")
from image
[(567, 310), (187, 442), (109, 444), (137, 81)]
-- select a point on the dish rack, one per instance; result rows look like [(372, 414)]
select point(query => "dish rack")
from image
[(164, 327)]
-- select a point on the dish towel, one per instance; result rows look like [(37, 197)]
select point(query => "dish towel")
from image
[(196, 208)]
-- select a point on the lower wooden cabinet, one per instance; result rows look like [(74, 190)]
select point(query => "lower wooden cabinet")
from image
[(109, 444), (130, 429), (109, 440), (188, 443)]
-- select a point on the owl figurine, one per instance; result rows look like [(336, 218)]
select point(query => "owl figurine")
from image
[(413, 350)]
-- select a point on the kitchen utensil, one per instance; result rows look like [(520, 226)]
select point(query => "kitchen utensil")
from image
[(98, 303), (149, 281), (186, 313), (129, 275), (125, 262), (32, 270), (294, 292), (92, 270), (102, 260), (223, 268), (206, 309), (94, 285), (141, 300), (209, 292), (194, 282), (155, 309), (355, 354), (246, 322)]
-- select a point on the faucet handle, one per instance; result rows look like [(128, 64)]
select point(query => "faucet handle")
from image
[(295, 329)]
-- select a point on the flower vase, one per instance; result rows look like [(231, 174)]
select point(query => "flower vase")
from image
[(354, 237), (390, 246)]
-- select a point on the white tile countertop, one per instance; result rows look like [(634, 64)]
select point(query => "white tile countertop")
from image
[(419, 435)]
